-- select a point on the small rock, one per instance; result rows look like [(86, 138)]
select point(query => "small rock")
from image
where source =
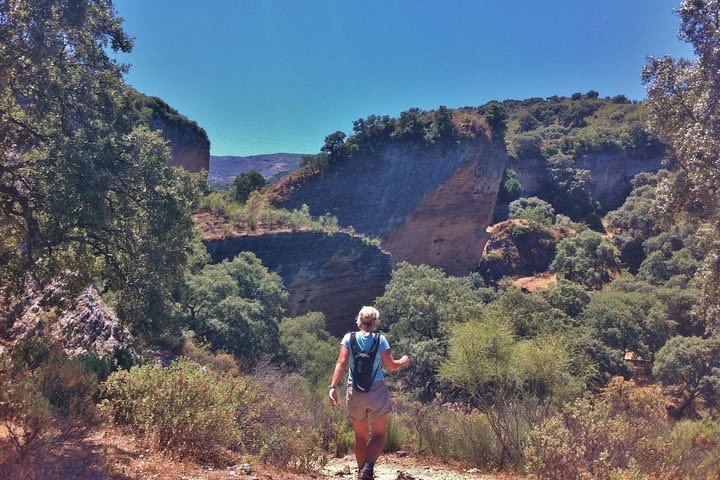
[(267, 476), (401, 453), (246, 468), (472, 470), (405, 476)]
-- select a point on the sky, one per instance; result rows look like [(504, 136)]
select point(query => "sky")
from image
[(267, 76)]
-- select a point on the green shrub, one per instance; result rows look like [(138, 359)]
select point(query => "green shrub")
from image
[(235, 306), (246, 183), (697, 444), (587, 258), (182, 409), (532, 208), (450, 433), (284, 426), (510, 187)]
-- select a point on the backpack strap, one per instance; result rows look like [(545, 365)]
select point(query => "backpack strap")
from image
[(373, 353), (375, 345), (354, 347)]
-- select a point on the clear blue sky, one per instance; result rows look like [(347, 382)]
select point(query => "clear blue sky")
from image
[(266, 76)]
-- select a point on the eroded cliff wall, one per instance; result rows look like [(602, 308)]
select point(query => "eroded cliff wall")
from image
[(610, 174), (335, 274), (428, 203), (189, 142)]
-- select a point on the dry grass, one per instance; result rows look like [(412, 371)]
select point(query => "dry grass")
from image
[(109, 454), (214, 227), (536, 282)]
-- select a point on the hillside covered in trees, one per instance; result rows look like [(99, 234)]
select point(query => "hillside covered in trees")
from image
[(557, 291)]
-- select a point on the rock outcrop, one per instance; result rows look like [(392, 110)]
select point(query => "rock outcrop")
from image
[(189, 143), (610, 174), (334, 274), (518, 248), (83, 325), (428, 203)]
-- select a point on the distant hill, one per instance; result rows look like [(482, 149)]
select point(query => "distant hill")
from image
[(224, 169)]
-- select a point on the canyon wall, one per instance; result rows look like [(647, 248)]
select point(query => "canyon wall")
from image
[(610, 174), (428, 203), (334, 274)]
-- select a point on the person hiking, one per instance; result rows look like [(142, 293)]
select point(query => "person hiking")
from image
[(368, 397)]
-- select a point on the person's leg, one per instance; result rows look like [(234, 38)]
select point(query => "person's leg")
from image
[(361, 440), (377, 440)]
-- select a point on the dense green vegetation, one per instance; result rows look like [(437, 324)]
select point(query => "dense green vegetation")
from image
[(499, 376), (155, 109), (236, 305), (85, 184), (576, 126), (246, 183)]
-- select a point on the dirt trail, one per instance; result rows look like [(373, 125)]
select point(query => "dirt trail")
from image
[(394, 467)]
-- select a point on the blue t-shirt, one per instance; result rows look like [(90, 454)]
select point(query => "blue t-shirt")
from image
[(365, 342)]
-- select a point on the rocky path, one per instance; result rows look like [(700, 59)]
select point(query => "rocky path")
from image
[(401, 467)]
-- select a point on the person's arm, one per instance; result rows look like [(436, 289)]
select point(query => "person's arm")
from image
[(340, 367), (392, 364)]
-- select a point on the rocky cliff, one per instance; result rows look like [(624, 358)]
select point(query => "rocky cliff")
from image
[(189, 143), (83, 325), (428, 203), (334, 274), (610, 174)]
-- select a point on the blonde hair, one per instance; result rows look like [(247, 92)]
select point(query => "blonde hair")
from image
[(367, 318)]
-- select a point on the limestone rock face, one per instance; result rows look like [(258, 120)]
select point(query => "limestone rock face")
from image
[(335, 274), (83, 325), (427, 203)]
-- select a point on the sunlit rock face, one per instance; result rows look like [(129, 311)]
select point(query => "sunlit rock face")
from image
[(428, 203)]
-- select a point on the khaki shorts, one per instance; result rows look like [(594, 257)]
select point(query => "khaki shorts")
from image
[(368, 405)]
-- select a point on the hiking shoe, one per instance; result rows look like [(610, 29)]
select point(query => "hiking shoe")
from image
[(366, 474)]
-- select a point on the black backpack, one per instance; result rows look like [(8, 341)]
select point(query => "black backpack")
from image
[(363, 373)]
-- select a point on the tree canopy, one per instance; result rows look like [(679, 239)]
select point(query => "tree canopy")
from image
[(586, 258), (84, 185), (236, 305), (684, 105)]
